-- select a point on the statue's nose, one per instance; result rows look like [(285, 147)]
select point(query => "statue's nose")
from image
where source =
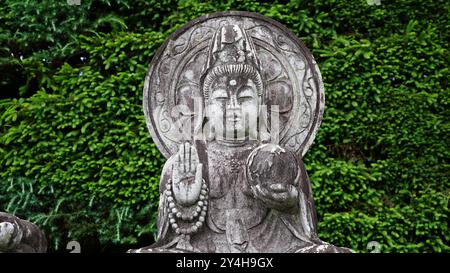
[(232, 103)]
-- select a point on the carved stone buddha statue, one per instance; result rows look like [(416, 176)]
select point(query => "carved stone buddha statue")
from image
[(252, 101)]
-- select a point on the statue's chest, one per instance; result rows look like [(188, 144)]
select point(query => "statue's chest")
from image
[(230, 196), (227, 179), (228, 185)]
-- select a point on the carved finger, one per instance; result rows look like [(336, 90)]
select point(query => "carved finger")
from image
[(280, 197), (293, 191), (182, 157), (272, 200), (178, 157), (194, 159), (175, 173), (278, 187), (187, 157), (262, 193), (199, 174)]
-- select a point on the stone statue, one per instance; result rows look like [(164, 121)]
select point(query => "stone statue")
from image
[(234, 101), (20, 236)]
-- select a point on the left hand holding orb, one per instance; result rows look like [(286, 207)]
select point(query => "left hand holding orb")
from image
[(272, 174)]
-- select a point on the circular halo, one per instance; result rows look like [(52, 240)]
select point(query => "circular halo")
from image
[(291, 78)]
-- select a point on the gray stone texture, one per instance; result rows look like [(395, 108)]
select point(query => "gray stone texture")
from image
[(20, 236), (253, 99)]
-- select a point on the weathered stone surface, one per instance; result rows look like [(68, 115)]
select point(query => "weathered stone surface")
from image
[(234, 101), (20, 236)]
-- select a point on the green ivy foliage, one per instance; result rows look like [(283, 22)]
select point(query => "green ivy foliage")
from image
[(76, 157)]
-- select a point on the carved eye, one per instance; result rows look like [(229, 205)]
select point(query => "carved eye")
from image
[(220, 95), (246, 94)]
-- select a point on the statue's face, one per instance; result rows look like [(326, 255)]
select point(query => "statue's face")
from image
[(233, 107)]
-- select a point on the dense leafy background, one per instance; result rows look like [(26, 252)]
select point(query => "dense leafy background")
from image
[(77, 160)]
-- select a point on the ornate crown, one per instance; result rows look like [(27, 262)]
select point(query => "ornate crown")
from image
[(231, 51)]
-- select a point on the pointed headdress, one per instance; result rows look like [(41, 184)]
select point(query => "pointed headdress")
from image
[(231, 51)]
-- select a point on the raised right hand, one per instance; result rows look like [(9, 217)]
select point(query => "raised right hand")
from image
[(186, 175)]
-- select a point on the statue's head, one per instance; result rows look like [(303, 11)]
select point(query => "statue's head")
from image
[(232, 85)]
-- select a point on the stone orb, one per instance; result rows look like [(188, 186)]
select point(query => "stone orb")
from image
[(272, 164)]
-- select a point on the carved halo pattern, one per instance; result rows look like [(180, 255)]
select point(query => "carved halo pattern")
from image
[(291, 79)]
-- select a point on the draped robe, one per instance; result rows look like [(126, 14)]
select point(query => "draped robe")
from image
[(236, 220)]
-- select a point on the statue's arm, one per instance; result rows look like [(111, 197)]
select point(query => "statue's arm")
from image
[(184, 191), (181, 185)]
